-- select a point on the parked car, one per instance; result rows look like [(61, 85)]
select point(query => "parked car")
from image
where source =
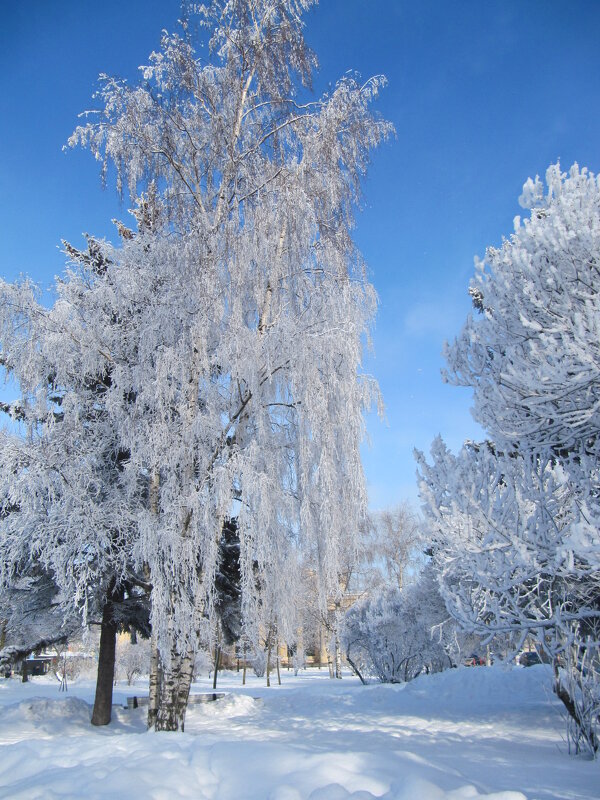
[(529, 659), (474, 661)]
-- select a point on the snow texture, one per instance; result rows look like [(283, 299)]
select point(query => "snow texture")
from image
[(462, 734)]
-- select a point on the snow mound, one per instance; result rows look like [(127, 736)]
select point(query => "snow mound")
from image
[(72, 708), (412, 789), (41, 715), (43, 709), (232, 705), (335, 791), (424, 790), (480, 689)]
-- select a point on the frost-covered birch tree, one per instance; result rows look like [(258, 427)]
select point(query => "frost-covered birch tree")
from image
[(515, 521), (243, 307)]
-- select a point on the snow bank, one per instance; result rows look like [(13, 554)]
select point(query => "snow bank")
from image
[(480, 690)]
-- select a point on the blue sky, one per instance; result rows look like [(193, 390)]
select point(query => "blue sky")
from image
[(482, 94)]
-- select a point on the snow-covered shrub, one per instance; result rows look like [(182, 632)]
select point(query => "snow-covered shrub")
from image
[(396, 634), (578, 686), (298, 658), (259, 662), (133, 660)]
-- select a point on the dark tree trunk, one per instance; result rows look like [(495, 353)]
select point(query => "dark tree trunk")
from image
[(217, 666), (269, 659), (354, 667), (106, 667)]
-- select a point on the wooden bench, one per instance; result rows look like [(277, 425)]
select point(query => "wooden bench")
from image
[(194, 699)]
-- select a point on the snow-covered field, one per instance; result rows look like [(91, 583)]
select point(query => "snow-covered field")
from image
[(467, 733)]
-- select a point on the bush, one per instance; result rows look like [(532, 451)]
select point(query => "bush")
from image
[(396, 634), (132, 660)]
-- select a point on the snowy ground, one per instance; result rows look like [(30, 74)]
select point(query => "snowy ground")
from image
[(465, 734)]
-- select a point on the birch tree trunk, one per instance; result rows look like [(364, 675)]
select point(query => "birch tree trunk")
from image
[(330, 662), (174, 683), (154, 682), (337, 645), (155, 669), (174, 693), (338, 655)]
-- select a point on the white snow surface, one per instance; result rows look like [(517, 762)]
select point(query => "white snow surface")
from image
[(468, 733)]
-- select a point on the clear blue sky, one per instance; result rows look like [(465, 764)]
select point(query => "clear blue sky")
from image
[(482, 94)]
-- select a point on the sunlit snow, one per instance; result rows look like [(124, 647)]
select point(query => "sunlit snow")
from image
[(494, 733)]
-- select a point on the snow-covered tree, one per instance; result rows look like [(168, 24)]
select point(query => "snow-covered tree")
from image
[(515, 521), (66, 511), (33, 617), (228, 584), (532, 354), (503, 540), (393, 543), (233, 323)]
